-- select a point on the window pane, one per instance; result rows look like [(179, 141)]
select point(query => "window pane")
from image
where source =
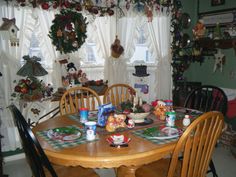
[(34, 50), (141, 49), (91, 56)]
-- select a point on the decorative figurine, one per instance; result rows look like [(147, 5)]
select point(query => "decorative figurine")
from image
[(115, 121), (219, 61), (131, 123), (199, 29)]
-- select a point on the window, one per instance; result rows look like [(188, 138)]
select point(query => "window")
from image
[(141, 49), (90, 55), (90, 51), (34, 50)]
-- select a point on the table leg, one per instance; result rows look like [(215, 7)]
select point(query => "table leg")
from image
[(124, 171)]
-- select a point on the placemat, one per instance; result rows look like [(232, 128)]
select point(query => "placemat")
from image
[(56, 144), (156, 141)]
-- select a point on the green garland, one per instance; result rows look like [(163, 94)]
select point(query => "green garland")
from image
[(68, 31)]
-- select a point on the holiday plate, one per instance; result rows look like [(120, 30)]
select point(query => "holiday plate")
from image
[(118, 140), (163, 133), (64, 133)]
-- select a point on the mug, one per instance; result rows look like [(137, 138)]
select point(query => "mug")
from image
[(90, 129)]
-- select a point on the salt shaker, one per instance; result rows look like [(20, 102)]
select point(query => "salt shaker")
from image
[(186, 120)]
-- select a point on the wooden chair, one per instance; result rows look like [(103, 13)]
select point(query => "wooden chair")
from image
[(37, 159), (196, 144), (79, 97), (118, 93), (208, 98)]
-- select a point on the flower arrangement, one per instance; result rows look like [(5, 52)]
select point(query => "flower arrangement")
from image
[(31, 89), (128, 107)]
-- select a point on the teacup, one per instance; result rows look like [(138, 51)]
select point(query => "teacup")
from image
[(118, 139)]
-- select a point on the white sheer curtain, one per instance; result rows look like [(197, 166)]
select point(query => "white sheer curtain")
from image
[(159, 44), (127, 33), (43, 23), (104, 36), (9, 64), (28, 21)]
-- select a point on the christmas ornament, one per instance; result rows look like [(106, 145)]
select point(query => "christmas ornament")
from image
[(116, 48), (68, 31)]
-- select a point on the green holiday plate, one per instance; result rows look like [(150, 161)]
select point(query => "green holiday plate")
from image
[(163, 133), (64, 133)]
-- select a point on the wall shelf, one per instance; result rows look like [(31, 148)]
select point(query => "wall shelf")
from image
[(208, 43)]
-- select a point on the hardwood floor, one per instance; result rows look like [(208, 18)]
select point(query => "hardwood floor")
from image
[(224, 161)]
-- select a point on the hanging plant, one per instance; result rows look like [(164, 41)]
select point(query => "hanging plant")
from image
[(68, 31)]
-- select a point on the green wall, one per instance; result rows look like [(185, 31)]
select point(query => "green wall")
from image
[(204, 72)]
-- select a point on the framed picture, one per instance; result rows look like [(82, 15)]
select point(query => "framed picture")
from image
[(223, 17), (217, 2)]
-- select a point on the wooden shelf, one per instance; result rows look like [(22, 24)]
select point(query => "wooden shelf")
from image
[(208, 43)]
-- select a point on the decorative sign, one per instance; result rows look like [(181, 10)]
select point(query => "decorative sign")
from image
[(223, 18)]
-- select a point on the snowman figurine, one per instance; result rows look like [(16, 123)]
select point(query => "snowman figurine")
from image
[(72, 74)]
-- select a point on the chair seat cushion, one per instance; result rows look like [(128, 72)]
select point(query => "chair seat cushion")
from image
[(231, 113), (73, 172)]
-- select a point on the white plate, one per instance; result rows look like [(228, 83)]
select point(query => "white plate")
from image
[(167, 133)]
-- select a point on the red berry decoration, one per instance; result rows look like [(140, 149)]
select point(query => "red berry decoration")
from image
[(67, 4), (110, 12), (79, 7), (45, 6)]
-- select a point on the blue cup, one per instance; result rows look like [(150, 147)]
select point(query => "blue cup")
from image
[(83, 115)]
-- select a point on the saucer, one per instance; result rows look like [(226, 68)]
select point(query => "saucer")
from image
[(118, 140)]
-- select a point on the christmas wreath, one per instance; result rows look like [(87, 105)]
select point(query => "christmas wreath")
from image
[(68, 31)]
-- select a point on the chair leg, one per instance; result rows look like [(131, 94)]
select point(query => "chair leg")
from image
[(212, 169)]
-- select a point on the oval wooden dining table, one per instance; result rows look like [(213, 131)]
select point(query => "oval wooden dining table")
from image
[(99, 154)]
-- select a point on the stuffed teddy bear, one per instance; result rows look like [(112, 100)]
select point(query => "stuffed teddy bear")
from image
[(199, 29)]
